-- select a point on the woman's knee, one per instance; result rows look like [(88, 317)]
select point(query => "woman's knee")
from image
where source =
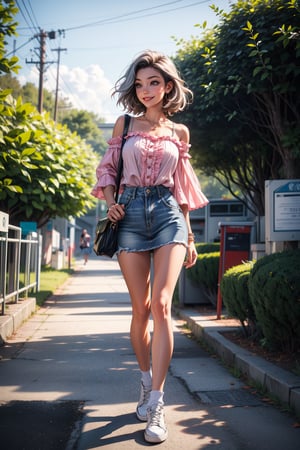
[(141, 314), (161, 308)]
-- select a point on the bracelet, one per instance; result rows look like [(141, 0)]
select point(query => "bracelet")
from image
[(191, 237)]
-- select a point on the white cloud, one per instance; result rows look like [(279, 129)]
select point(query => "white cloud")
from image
[(85, 88)]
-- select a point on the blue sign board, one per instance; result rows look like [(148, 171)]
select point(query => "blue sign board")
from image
[(28, 227)]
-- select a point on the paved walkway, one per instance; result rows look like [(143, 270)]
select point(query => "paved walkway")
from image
[(69, 379)]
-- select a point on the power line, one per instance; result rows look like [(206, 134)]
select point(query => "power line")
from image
[(58, 50), (108, 20), (21, 46), (32, 12), (132, 15), (33, 25), (122, 18), (125, 17), (41, 63)]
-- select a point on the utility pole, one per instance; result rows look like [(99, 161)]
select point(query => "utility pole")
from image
[(41, 36), (58, 50), (41, 65)]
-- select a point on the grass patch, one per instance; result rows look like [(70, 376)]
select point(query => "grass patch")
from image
[(51, 279)]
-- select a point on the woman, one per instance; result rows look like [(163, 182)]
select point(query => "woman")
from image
[(85, 245), (158, 189)]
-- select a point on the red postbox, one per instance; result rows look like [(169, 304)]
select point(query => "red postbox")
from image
[(235, 248)]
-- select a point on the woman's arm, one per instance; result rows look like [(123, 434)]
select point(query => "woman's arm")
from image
[(114, 212), (109, 191), (191, 256)]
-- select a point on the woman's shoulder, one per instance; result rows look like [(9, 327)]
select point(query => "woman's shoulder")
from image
[(118, 126), (182, 132)]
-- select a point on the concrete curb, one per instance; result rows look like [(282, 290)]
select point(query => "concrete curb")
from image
[(278, 382), (15, 315)]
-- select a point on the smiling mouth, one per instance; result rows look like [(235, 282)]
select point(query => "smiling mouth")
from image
[(147, 99)]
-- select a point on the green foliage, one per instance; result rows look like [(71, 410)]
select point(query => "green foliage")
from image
[(235, 295), (205, 271), (29, 93), (45, 170), (7, 28), (8, 81), (85, 124), (274, 289), (51, 279), (245, 74), (212, 187), (207, 247)]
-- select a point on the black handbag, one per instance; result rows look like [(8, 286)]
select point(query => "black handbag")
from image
[(106, 239)]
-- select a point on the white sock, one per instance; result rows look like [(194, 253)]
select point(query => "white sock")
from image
[(147, 378), (156, 397)]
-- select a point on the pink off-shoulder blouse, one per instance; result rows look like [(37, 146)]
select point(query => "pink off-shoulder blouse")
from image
[(150, 161)]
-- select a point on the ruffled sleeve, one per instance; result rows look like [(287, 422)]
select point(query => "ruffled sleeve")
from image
[(106, 171), (187, 189)]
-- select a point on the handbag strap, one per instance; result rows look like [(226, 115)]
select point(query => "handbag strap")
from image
[(120, 164)]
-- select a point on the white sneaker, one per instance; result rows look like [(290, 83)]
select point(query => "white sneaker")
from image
[(156, 430), (141, 409)]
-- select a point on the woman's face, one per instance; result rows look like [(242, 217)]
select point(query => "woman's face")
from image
[(150, 87)]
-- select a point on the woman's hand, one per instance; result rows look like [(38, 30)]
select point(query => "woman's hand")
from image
[(115, 212), (191, 256)]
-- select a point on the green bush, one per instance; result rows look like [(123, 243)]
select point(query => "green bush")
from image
[(235, 295), (45, 170), (205, 274), (274, 289), (210, 247)]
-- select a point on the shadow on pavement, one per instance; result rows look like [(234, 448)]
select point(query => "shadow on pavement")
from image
[(38, 425)]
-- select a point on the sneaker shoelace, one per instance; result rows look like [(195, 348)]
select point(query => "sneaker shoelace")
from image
[(146, 393), (155, 416)]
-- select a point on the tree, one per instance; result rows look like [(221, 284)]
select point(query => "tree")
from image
[(45, 170), (85, 124), (7, 28), (30, 93), (7, 81), (245, 76)]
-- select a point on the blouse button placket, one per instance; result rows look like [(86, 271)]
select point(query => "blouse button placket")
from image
[(149, 164)]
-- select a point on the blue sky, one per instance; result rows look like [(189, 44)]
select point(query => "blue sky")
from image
[(101, 38)]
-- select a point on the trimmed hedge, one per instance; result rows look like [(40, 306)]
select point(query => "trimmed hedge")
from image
[(274, 289), (235, 295), (209, 247), (205, 274)]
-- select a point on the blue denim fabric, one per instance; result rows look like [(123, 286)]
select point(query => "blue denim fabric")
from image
[(152, 218)]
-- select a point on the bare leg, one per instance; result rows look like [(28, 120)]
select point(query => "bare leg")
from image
[(136, 271), (168, 261)]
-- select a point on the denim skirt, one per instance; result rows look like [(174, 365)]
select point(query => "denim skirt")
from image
[(152, 219), (86, 251)]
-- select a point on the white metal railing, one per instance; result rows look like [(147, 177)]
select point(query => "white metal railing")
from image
[(20, 264)]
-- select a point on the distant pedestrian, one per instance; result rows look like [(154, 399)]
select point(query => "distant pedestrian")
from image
[(85, 245), (158, 189)]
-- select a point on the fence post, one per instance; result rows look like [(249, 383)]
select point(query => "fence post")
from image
[(4, 220), (39, 261), (12, 257)]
